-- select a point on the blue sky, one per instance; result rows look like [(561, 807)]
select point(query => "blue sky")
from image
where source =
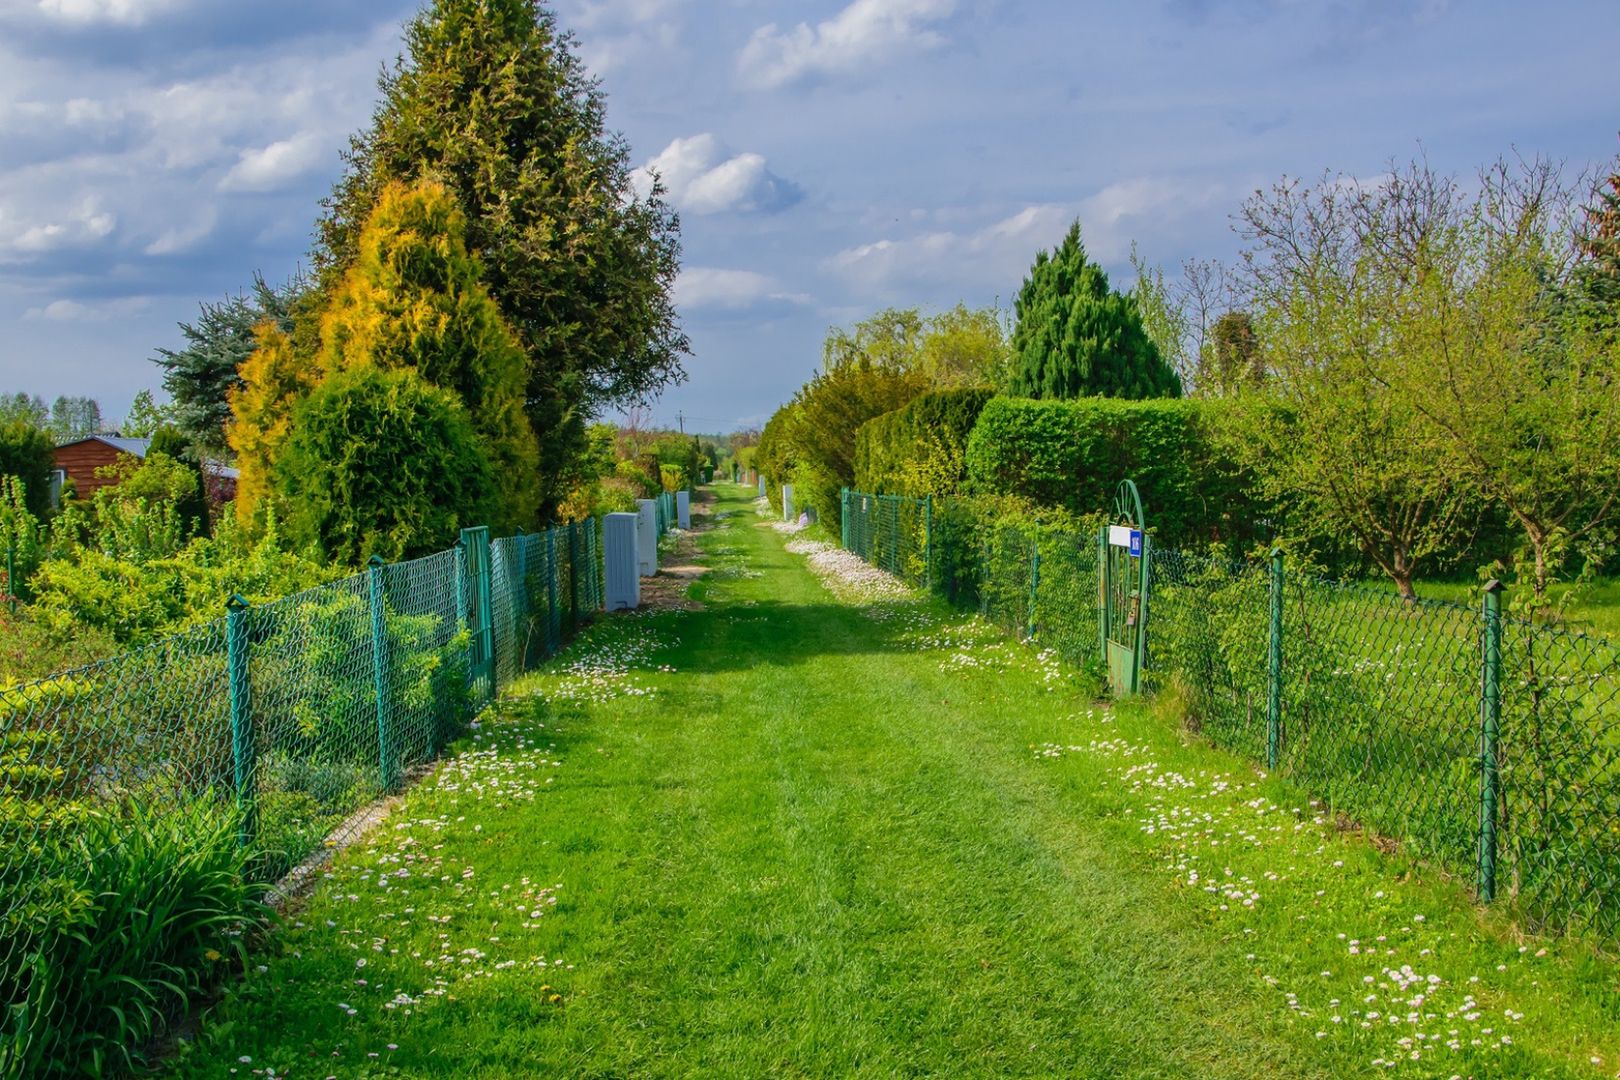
[(828, 158)]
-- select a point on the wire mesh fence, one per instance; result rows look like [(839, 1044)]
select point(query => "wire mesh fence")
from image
[(142, 797), (1486, 744)]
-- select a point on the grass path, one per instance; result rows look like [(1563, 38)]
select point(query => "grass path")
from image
[(793, 835)]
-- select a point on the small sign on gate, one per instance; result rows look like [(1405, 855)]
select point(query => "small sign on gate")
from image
[(1126, 537)]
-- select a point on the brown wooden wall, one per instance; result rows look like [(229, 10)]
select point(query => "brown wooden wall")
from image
[(80, 461)]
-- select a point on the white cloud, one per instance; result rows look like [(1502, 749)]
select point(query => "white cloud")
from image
[(117, 12), (702, 286), (862, 34), (186, 235), (94, 311), (1003, 251), (701, 178), (999, 251), (616, 34), (83, 225), (269, 167)]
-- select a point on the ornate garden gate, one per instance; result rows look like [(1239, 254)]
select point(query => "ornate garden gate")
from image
[(1122, 552)]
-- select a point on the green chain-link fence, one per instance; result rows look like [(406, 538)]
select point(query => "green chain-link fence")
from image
[(1487, 744), (141, 796)]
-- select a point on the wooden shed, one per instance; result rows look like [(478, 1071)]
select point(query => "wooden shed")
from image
[(79, 460)]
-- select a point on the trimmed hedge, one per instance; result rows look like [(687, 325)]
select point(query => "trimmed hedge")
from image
[(919, 449), (1073, 454)]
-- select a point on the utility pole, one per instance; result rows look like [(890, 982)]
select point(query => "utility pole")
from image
[(680, 419)]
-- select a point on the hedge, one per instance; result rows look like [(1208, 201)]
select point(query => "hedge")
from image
[(1073, 454), (919, 449)]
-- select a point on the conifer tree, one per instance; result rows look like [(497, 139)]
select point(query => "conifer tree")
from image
[(274, 378), (413, 298), (1077, 337), (492, 99)]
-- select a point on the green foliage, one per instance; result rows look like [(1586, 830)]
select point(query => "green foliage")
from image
[(88, 590), (820, 425), (920, 449), (146, 417), (417, 476), (414, 299), (492, 99), (200, 376), (74, 418), (25, 453), (1076, 337), (21, 536), (135, 914), (29, 408), (1073, 454)]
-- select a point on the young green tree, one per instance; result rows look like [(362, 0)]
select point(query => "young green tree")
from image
[(74, 418), (29, 408), (1077, 337), (145, 417), (963, 347), (1334, 307), (414, 298), (1513, 364), (25, 453), (200, 376), (418, 476), (492, 99)]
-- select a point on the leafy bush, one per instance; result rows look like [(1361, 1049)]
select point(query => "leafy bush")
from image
[(26, 453), (133, 913), (85, 590), (419, 476), (920, 449), (1073, 454)]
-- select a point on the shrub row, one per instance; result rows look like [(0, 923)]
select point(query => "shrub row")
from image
[(1073, 454), (922, 448)]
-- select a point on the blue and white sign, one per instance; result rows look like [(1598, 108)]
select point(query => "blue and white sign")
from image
[(1126, 537)]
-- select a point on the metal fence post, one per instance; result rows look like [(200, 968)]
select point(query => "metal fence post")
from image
[(1274, 705), (387, 759), (553, 613), (1490, 725), (1034, 582), (843, 516), (243, 752), (1102, 593), (928, 542), (11, 577)]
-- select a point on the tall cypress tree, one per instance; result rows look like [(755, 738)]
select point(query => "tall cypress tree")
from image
[(414, 298), (492, 100), (1077, 337)]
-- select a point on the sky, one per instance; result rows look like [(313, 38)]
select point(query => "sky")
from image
[(827, 158)]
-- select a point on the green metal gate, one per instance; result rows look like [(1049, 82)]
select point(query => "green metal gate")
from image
[(1122, 554)]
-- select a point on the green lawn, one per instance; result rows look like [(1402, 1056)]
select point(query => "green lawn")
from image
[(1595, 609), (800, 834)]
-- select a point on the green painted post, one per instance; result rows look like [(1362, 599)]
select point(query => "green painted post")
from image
[(243, 752), (1144, 583), (1490, 723), (928, 542), (1274, 704), (843, 515), (486, 608), (1102, 593), (553, 612), (388, 764), (573, 576), (11, 577), (1034, 583)]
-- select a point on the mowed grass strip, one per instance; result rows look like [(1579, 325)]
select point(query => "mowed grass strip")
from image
[(788, 835)]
